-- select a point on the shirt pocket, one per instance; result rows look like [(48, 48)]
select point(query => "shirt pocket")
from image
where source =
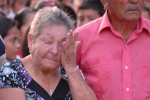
[(97, 74), (146, 76)]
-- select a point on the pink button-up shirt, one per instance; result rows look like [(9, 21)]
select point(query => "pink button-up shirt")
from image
[(114, 68)]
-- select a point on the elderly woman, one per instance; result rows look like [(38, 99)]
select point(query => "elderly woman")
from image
[(38, 76)]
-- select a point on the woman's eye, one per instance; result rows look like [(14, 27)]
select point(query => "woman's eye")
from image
[(13, 40), (48, 42)]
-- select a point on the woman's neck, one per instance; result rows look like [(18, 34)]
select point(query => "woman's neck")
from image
[(48, 80)]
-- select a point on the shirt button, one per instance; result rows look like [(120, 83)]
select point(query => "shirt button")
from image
[(126, 67), (127, 89)]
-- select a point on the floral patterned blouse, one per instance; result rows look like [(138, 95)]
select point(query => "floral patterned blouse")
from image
[(13, 74)]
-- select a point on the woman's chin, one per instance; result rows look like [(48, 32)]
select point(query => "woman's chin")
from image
[(51, 66)]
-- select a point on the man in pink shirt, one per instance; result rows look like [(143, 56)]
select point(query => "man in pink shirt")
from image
[(114, 53)]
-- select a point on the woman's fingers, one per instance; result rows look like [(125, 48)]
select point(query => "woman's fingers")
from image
[(75, 35), (71, 38), (76, 44), (69, 49)]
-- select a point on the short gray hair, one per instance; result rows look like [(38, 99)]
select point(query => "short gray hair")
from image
[(49, 16)]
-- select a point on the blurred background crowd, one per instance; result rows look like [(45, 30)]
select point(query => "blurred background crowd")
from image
[(17, 15)]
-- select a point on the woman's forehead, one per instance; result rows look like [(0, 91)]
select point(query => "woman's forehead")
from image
[(55, 31)]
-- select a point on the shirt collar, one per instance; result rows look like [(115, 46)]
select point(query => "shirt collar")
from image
[(141, 24), (105, 22)]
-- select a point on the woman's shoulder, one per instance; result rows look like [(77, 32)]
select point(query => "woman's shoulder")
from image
[(13, 74), (14, 66)]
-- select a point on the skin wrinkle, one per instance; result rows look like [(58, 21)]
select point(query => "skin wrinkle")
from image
[(48, 39), (125, 20)]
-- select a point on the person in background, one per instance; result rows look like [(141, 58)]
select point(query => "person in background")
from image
[(147, 3), (10, 34), (76, 4), (45, 3), (2, 14), (48, 3), (2, 52), (4, 7), (36, 2), (25, 48), (15, 6), (38, 76), (67, 2), (146, 12), (114, 53), (33, 3), (146, 9), (23, 20), (89, 10)]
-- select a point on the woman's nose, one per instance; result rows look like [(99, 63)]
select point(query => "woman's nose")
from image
[(18, 45), (54, 49)]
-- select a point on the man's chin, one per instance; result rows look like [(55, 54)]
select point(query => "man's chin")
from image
[(133, 17)]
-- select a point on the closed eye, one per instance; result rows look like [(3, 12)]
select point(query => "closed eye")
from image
[(48, 42)]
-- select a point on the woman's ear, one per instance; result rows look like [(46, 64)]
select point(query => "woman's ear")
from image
[(105, 4), (29, 42)]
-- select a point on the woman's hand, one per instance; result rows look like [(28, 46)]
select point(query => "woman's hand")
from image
[(75, 79), (68, 54)]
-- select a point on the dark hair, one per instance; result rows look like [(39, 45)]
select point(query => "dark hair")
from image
[(2, 14), (20, 17), (146, 9), (42, 4), (68, 10), (5, 25), (25, 48), (27, 2), (93, 4), (2, 46)]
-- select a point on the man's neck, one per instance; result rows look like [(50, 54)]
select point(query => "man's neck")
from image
[(124, 27)]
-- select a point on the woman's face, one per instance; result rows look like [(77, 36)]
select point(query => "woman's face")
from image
[(12, 43), (3, 6), (19, 4), (86, 15), (46, 49)]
